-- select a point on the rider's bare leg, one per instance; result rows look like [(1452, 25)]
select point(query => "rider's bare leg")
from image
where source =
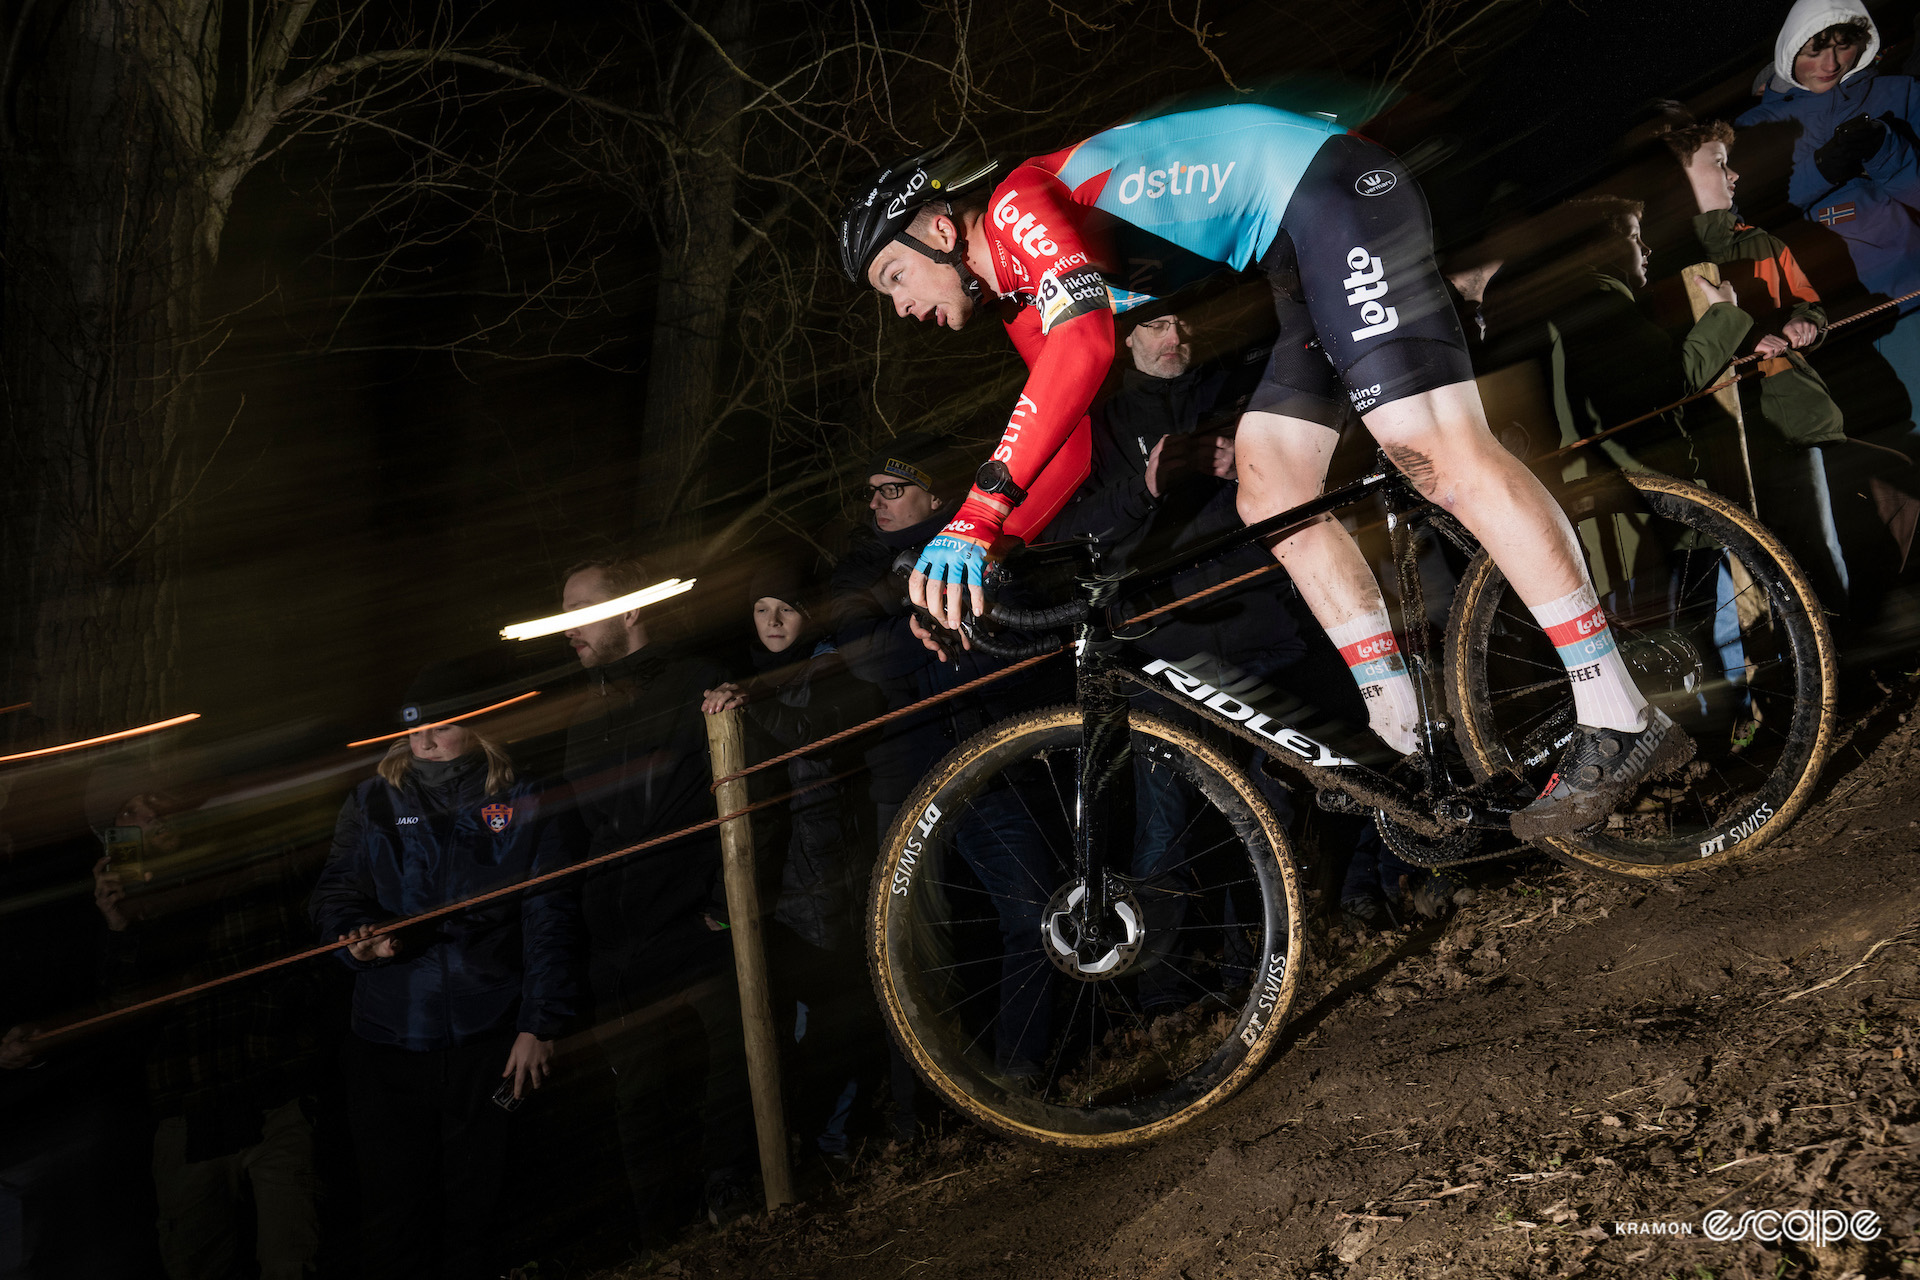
[(1282, 463), (1439, 440)]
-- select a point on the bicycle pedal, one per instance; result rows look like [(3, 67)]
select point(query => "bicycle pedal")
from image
[(1489, 805)]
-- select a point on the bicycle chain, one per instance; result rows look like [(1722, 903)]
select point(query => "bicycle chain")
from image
[(1408, 846)]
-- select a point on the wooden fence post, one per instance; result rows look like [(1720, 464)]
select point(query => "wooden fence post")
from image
[(726, 743)]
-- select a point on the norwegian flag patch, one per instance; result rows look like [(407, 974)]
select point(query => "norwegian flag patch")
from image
[(1835, 213), (497, 816)]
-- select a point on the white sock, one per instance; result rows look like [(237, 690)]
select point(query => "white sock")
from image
[(1373, 656), (1604, 695)]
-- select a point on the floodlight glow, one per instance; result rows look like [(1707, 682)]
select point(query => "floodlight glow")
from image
[(105, 737), (598, 612)]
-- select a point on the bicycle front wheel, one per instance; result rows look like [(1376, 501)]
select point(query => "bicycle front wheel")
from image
[(979, 946), (1719, 628)]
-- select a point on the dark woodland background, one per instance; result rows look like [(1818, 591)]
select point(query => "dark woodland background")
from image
[(333, 333)]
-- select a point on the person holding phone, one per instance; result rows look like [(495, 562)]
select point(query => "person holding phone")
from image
[(453, 1021)]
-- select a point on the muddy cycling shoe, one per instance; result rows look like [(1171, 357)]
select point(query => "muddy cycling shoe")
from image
[(1598, 771)]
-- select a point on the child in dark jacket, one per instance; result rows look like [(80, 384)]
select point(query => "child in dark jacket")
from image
[(1787, 412), (453, 1021), (801, 692)]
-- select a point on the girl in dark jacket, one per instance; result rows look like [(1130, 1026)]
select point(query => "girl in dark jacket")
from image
[(453, 1021), (801, 692)]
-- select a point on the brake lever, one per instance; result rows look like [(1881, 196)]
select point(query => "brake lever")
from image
[(952, 641)]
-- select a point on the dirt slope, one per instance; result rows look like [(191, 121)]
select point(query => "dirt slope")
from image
[(1495, 1097)]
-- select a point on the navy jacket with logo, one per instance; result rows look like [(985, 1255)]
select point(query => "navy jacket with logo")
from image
[(510, 965), (1877, 213)]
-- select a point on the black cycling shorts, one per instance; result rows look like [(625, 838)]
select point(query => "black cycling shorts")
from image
[(1364, 315)]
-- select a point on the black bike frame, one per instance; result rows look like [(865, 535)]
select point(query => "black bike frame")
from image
[(1107, 665)]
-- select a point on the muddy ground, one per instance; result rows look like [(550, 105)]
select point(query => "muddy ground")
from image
[(1500, 1095)]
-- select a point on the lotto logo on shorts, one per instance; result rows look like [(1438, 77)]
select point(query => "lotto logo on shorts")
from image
[(1364, 289)]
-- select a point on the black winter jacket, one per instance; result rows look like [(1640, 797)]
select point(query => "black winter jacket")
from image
[(824, 851), (1253, 627), (637, 759), (511, 964), (869, 613)]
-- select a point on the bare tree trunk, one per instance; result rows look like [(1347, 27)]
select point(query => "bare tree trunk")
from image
[(104, 213), (696, 269)]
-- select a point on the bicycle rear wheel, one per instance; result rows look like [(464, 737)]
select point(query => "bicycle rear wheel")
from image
[(972, 931), (1720, 629)]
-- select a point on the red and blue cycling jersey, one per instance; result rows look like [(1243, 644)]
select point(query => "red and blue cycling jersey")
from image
[(1128, 215)]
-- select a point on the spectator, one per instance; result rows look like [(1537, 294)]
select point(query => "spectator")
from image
[(1856, 163), (1160, 483), (1788, 413), (801, 692), (74, 1138), (663, 989), (873, 628), (454, 1020), (228, 1073), (1610, 363)]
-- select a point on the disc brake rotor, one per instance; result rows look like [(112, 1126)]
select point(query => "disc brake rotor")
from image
[(1070, 942)]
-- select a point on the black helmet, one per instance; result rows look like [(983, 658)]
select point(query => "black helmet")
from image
[(892, 200)]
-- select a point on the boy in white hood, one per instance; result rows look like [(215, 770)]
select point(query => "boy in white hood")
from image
[(1856, 164)]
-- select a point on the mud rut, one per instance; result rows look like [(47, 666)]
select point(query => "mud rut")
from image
[(1492, 1096)]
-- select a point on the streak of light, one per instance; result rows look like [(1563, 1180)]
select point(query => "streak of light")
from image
[(421, 728), (105, 737), (18, 706), (598, 612)]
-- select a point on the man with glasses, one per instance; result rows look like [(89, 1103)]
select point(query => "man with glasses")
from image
[(873, 628), (899, 494)]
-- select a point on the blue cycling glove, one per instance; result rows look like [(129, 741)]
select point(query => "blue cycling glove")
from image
[(949, 559)]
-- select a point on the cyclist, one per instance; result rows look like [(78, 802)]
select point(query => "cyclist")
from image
[(1137, 212)]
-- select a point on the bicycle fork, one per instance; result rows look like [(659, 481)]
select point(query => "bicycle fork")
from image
[(1103, 818)]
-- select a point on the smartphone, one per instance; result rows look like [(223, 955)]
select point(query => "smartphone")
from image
[(503, 1096), (127, 856)]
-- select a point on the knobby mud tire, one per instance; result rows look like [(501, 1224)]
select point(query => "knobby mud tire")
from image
[(972, 1087), (1772, 804)]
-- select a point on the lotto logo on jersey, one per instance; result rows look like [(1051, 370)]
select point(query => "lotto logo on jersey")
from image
[(1022, 229), (1180, 180), (1365, 288)]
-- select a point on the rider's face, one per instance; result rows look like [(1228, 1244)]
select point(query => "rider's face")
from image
[(918, 286)]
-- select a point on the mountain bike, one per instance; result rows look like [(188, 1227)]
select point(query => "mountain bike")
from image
[(1084, 978)]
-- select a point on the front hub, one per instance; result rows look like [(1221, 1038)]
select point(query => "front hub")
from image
[(1087, 949)]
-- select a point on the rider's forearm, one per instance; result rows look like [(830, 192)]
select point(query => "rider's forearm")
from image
[(1066, 373)]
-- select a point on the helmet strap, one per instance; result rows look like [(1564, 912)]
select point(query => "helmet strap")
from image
[(955, 257)]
